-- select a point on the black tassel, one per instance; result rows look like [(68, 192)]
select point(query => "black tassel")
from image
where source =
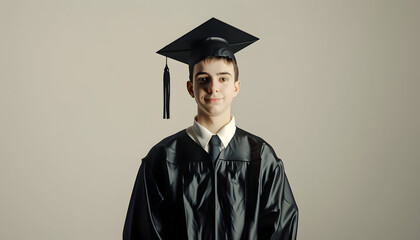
[(166, 91)]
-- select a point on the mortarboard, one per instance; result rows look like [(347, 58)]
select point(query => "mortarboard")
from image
[(213, 38)]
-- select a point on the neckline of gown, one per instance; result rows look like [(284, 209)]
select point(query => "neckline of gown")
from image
[(226, 153)]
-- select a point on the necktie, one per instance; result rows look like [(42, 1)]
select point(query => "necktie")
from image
[(214, 147)]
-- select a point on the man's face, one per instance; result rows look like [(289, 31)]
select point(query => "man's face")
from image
[(213, 87)]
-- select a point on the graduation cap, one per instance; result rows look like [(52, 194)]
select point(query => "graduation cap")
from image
[(213, 38)]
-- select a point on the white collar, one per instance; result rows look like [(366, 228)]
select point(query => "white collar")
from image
[(202, 135)]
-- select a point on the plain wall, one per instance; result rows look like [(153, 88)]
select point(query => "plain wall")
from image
[(333, 86)]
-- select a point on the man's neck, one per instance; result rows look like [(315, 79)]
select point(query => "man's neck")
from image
[(213, 124)]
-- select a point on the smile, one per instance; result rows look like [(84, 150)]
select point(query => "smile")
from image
[(212, 100)]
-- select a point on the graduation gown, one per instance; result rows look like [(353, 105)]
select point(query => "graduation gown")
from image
[(180, 193)]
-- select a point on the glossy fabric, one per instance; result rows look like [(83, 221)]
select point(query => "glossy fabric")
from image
[(180, 194)]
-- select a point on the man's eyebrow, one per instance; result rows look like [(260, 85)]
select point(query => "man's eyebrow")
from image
[(218, 74), (223, 73), (201, 73)]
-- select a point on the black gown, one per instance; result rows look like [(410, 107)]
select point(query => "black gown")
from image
[(180, 194)]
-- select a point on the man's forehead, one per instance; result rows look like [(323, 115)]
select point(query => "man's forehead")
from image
[(214, 65)]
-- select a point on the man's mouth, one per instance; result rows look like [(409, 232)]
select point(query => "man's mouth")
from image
[(212, 100)]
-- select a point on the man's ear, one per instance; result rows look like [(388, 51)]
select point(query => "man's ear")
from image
[(190, 88), (237, 86)]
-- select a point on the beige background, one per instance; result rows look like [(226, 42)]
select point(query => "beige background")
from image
[(332, 86)]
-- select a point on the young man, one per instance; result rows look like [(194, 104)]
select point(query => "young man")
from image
[(211, 180)]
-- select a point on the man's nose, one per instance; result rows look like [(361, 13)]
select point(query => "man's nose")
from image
[(213, 86)]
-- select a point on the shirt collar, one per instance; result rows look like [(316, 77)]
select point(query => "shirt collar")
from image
[(203, 135)]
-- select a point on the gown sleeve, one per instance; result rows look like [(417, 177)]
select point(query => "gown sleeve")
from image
[(279, 212), (138, 223), (153, 213)]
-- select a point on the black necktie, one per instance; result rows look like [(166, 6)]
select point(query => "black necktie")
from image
[(214, 147)]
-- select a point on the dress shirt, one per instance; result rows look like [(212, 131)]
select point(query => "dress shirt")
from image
[(202, 135)]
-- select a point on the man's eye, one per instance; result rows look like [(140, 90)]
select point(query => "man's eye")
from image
[(224, 79), (202, 79)]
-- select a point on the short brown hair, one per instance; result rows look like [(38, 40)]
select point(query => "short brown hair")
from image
[(211, 58)]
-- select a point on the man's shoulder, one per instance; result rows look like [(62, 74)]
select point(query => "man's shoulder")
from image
[(167, 145), (172, 138), (255, 142), (241, 133)]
